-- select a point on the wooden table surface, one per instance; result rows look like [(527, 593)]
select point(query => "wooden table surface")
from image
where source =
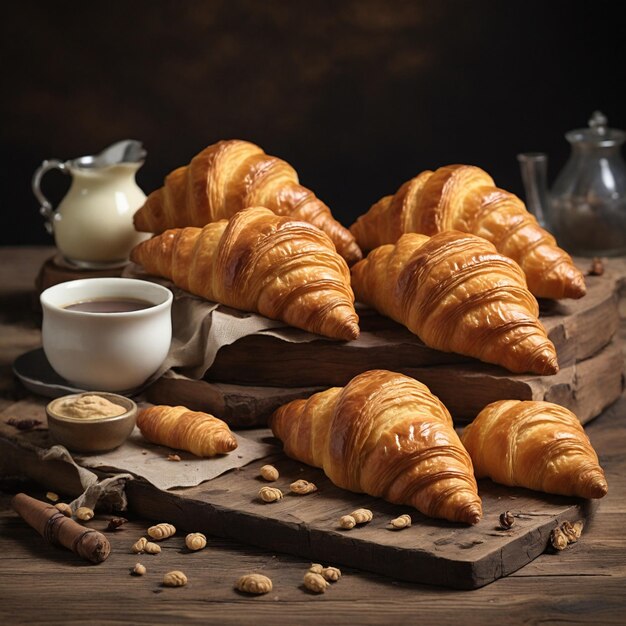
[(585, 584)]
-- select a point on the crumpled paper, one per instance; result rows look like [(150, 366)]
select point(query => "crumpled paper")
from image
[(108, 492)]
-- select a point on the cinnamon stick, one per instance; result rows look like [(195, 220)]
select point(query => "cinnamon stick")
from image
[(57, 529)]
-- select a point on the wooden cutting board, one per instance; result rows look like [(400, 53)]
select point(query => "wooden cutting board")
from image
[(253, 376), (429, 551), (578, 329)]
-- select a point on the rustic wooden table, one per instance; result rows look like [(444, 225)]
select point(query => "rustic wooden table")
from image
[(585, 584)]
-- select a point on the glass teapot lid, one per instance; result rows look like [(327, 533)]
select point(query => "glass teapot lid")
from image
[(598, 133)]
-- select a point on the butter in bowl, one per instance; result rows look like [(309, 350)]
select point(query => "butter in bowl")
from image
[(92, 421)]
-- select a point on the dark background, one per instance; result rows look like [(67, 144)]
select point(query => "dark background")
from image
[(358, 96)]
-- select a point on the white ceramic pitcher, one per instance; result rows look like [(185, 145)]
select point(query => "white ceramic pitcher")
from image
[(93, 224)]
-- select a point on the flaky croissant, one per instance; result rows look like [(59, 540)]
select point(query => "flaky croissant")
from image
[(458, 294), (384, 434), (537, 445), (194, 431), (260, 262), (465, 198), (232, 175)]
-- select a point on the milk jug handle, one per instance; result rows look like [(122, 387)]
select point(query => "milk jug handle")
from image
[(46, 208)]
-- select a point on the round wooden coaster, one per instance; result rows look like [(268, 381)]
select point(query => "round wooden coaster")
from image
[(57, 270)]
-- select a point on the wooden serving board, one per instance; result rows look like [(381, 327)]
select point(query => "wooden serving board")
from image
[(253, 376), (430, 551), (586, 388), (578, 329)]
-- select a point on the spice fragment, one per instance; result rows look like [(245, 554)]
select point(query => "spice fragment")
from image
[(116, 522), (507, 519)]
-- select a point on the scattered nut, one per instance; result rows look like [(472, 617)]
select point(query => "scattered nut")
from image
[(507, 519), (139, 569), (175, 578), (152, 548), (52, 496), (403, 521), (329, 573), (66, 509), (362, 516), (565, 534), (254, 583), (270, 494), (558, 539), (332, 574), (302, 487), (139, 545), (315, 582), (116, 522), (161, 531), (347, 522), (84, 513), (195, 541), (572, 531), (269, 472), (173, 457)]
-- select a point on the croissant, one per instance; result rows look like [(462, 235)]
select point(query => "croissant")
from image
[(194, 431), (465, 198), (386, 435), (537, 445), (229, 176), (260, 262), (458, 294)]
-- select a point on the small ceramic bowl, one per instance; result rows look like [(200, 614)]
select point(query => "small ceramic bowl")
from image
[(95, 434)]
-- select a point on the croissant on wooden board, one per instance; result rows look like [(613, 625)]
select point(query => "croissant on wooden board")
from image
[(231, 175), (386, 435), (465, 198), (537, 445), (458, 294), (260, 262), (193, 431)]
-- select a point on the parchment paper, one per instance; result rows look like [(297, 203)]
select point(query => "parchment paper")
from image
[(141, 458), (135, 457)]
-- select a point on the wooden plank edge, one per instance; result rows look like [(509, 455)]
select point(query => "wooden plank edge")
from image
[(299, 539), (586, 388)]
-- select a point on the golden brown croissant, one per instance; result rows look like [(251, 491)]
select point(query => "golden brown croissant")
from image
[(194, 431), (458, 294), (537, 445), (260, 262), (384, 434), (465, 198), (229, 176)]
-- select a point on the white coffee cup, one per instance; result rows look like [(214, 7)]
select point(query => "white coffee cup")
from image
[(115, 351)]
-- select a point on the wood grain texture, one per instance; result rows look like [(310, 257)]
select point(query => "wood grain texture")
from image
[(430, 551), (263, 372), (465, 389), (582, 585), (578, 329)]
